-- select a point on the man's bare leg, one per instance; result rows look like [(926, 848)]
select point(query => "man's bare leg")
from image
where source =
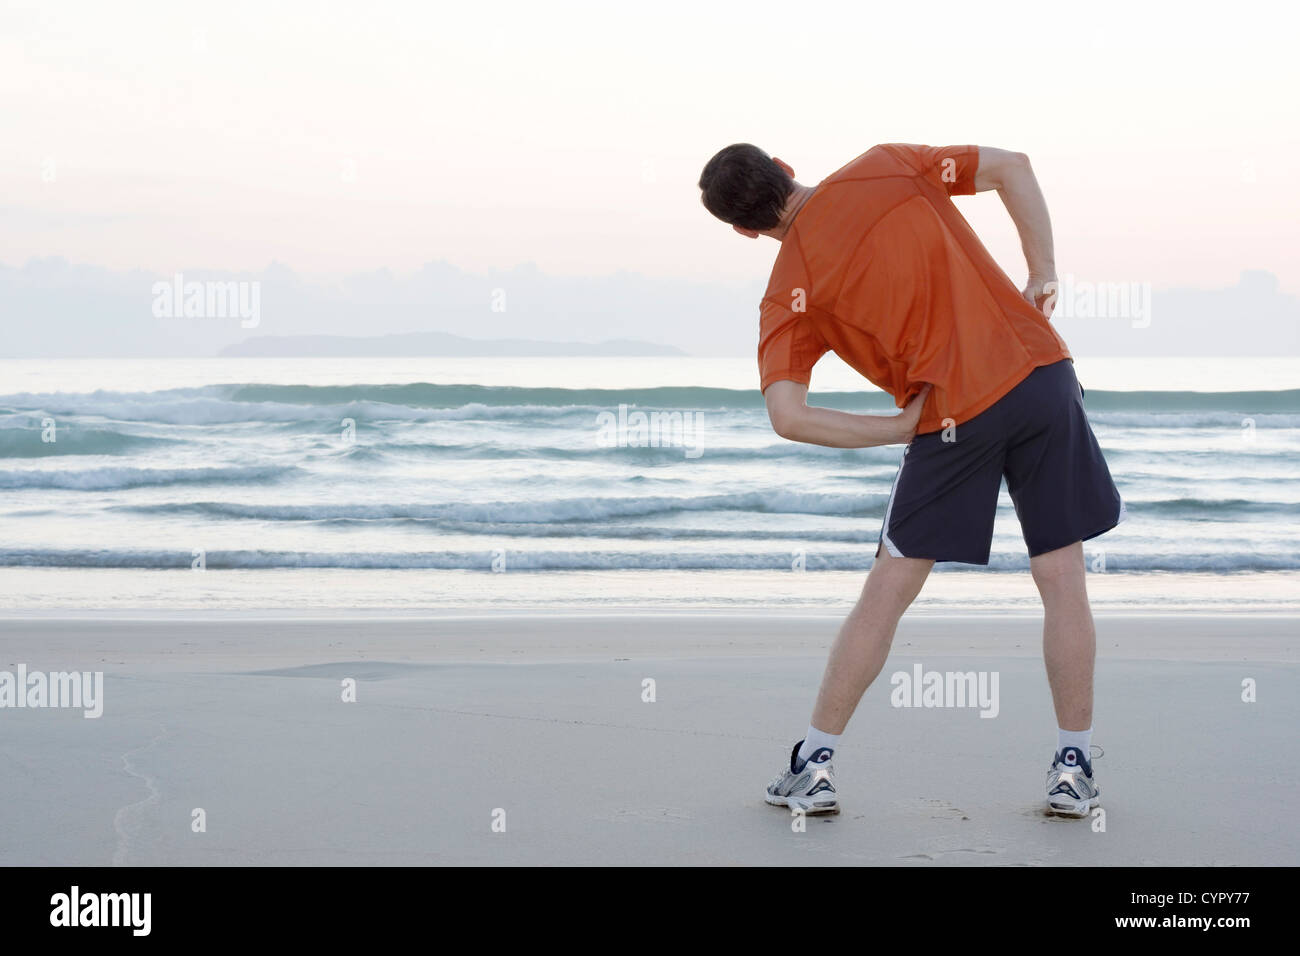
[(863, 643), (1069, 638)]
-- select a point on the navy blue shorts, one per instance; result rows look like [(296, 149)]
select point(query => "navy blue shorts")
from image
[(1036, 436)]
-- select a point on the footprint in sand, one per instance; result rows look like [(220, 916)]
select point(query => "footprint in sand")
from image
[(934, 809), (937, 854)]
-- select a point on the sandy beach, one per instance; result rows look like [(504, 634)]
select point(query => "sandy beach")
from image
[(527, 739)]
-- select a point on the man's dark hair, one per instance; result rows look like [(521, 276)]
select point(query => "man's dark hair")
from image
[(743, 186)]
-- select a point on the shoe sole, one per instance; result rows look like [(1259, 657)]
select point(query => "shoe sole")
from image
[(807, 807), (1075, 810)]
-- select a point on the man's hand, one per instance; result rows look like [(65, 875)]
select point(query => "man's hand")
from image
[(910, 416), (1041, 292)]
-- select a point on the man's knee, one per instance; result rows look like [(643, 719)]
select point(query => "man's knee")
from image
[(893, 583), (1060, 572), (903, 569)]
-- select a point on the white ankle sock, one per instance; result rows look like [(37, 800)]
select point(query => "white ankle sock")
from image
[(815, 740), (1074, 738)]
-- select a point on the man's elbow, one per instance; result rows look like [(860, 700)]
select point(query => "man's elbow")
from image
[(785, 422)]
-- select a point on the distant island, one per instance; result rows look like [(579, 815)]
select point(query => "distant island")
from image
[(429, 344)]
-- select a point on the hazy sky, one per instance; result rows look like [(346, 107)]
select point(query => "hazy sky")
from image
[(226, 135)]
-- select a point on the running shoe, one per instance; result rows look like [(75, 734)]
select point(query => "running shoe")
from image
[(1071, 790), (808, 785)]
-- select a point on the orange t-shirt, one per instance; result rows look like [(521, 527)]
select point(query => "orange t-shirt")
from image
[(881, 268)]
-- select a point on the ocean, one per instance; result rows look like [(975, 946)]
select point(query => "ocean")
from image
[(416, 483)]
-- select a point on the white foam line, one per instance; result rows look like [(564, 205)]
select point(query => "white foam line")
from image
[(155, 795)]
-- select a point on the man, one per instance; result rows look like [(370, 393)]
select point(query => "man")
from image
[(877, 265)]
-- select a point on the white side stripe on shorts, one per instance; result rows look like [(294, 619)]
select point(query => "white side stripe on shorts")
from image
[(884, 528)]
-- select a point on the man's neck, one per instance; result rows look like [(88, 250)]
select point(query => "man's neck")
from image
[(796, 202)]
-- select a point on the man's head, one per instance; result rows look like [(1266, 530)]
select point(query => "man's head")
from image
[(747, 188)]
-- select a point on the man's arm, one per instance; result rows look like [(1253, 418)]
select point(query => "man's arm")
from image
[(793, 418), (1012, 176)]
